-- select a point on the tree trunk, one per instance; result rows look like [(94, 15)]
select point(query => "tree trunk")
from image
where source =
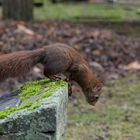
[(18, 9)]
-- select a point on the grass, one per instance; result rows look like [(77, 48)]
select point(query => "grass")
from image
[(115, 117), (85, 12)]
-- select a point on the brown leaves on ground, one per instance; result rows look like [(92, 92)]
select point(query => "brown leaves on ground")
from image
[(105, 50)]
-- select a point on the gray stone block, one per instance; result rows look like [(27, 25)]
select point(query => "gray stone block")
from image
[(40, 116)]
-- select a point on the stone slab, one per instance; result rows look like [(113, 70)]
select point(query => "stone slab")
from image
[(46, 122)]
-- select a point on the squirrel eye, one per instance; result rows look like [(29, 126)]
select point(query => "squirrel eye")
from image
[(96, 97)]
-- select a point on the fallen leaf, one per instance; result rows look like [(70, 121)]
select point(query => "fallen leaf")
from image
[(132, 66), (24, 29)]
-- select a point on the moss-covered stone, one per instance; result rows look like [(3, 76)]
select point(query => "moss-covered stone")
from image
[(37, 89), (40, 113)]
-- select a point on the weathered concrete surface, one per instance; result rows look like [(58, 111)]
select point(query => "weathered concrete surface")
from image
[(46, 122)]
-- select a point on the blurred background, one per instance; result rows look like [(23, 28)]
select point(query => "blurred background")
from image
[(107, 33)]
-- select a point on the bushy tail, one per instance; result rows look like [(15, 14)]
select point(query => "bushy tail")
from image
[(18, 63)]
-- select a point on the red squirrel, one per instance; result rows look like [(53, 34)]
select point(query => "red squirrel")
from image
[(56, 58)]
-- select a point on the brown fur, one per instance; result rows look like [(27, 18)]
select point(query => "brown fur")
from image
[(56, 58)]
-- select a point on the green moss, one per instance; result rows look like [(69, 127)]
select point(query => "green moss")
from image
[(34, 106), (52, 88), (32, 89), (42, 88)]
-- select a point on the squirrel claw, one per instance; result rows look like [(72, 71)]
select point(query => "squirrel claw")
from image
[(69, 89), (54, 78)]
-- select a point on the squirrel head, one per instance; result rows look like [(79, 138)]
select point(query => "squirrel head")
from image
[(93, 92)]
